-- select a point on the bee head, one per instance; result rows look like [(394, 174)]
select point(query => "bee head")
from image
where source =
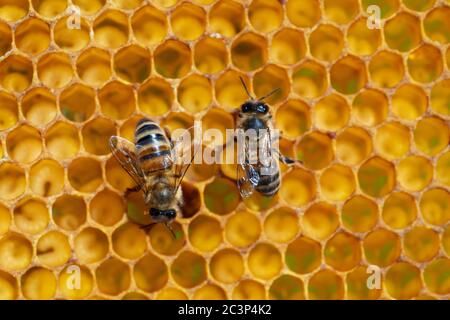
[(255, 106), (163, 215)]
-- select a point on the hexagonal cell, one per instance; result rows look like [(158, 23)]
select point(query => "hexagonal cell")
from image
[(293, 118), (370, 107), (381, 247), (173, 59), (188, 269), (357, 288), (414, 173), (86, 283), (271, 77), (309, 79), (46, 177), (341, 11), (39, 106), (94, 67), (62, 140), (77, 102), (85, 174), (149, 25), (287, 287), (315, 150), (219, 120), (425, 63), (376, 177), (331, 113), (326, 42), (249, 51), (227, 17), (177, 121), (188, 21), (55, 70), (229, 91), (264, 261), (303, 14), (71, 39), (24, 144), (265, 15), (89, 7), (326, 285), (5, 220), (38, 277), (409, 102), (13, 10), (320, 221), (111, 29), (127, 4), (392, 140), (53, 249), (443, 169), (342, 252), (421, 244), (49, 8), (10, 290), (16, 73), (150, 273), (386, 69), (221, 196), (155, 97), (402, 32), (9, 113), (434, 274), (242, 229), (129, 241), (205, 233), (361, 40), (210, 55), (436, 25), (31, 216), (227, 266), (210, 292), (440, 97), (91, 245), (359, 214), (113, 276), (281, 225), (298, 187), (163, 241), (303, 255), (32, 36), (194, 93), (133, 64), (337, 182), (107, 208), (403, 281), (96, 134), (399, 210), (387, 7), (69, 212), (431, 135), (117, 100), (348, 75), (288, 46), (353, 145), (118, 178), (16, 252), (12, 181), (434, 206)]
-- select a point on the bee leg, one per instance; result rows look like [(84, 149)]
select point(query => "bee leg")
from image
[(130, 190), (171, 230), (284, 159)]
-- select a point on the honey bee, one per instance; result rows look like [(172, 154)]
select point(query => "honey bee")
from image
[(258, 169), (153, 163)]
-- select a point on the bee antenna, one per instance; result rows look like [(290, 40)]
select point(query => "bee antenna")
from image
[(269, 94), (171, 230), (245, 87)]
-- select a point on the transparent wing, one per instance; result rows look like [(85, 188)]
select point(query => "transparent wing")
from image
[(247, 176)]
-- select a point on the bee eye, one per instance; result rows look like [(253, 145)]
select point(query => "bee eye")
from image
[(246, 107), (154, 212), (262, 108)]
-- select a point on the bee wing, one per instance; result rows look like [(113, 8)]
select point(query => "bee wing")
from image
[(247, 175)]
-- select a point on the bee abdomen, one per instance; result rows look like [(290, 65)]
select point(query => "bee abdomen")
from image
[(268, 185)]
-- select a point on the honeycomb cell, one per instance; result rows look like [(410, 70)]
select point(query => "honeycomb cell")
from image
[(249, 51), (85, 174), (264, 261), (249, 290), (24, 144), (342, 252), (287, 287), (288, 46), (361, 40), (5, 219), (419, 5), (402, 32), (13, 10), (173, 59), (381, 247), (38, 283), (387, 7), (12, 181), (280, 225), (434, 206), (89, 7), (72, 288), (216, 121), (31, 216), (162, 239), (96, 134), (440, 98), (298, 188), (359, 214), (53, 249), (188, 269), (293, 118), (39, 106), (443, 169), (386, 69), (16, 73), (269, 78), (46, 178), (370, 107), (117, 100), (227, 18), (425, 63), (77, 102), (133, 64), (129, 241), (303, 255), (353, 145), (169, 293), (205, 233), (265, 15), (49, 8), (392, 140), (414, 173), (348, 75), (409, 102), (337, 182), (192, 200), (5, 39), (111, 29), (331, 113), (320, 221), (176, 121), (91, 245), (155, 97), (55, 70), (403, 281), (242, 229), (9, 113), (107, 208), (341, 11), (309, 79), (303, 14), (113, 277), (399, 210), (71, 39), (69, 212), (136, 209), (127, 4), (215, 200), (118, 178), (150, 273), (149, 25), (436, 276), (210, 292), (210, 55), (227, 266), (421, 244), (357, 288), (326, 42), (326, 285), (436, 25), (228, 90), (431, 135), (94, 67), (32, 36), (195, 93), (376, 177), (16, 252), (188, 21), (9, 286)]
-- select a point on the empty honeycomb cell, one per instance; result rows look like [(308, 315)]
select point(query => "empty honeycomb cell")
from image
[(210, 292), (113, 276), (111, 29), (386, 69), (133, 64), (94, 67), (69, 212), (437, 26), (361, 40), (392, 140), (381, 247), (326, 285), (303, 255), (357, 288), (188, 21), (77, 102), (218, 121), (353, 145), (55, 70), (298, 188), (192, 200), (149, 25), (227, 18), (421, 244), (195, 93), (116, 176), (326, 42), (9, 113), (337, 182), (24, 144), (169, 293), (242, 229), (49, 8), (249, 290), (210, 55), (127, 4), (293, 118), (399, 210), (436, 276), (309, 79), (85, 174), (440, 97), (16, 73), (173, 59), (107, 208), (188, 269), (16, 252), (12, 181), (376, 177), (5, 219), (331, 113), (38, 283), (53, 249), (9, 287), (287, 287), (96, 134), (205, 233), (280, 225), (134, 296), (419, 5), (31, 216), (342, 252), (303, 14), (431, 135), (229, 91), (403, 281), (434, 206), (73, 288), (39, 106), (227, 266), (155, 97), (5, 39), (414, 173), (117, 100), (341, 11), (91, 245), (320, 221), (89, 7), (249, 51), (32, 36), (288, 46), (176, 121), (129, 241), (13, 10), (443, 169), (264, 261), (46, 177), (370, 107), (271, 77), (359, 214), (150, 273), (163, 241), (265, 15), (409, 102), (71, 39), (348, 75), (425, 63), (402, 32), (221, 196), (387, 7)]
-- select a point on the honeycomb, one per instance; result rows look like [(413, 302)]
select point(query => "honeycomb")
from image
[(366, 111)]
